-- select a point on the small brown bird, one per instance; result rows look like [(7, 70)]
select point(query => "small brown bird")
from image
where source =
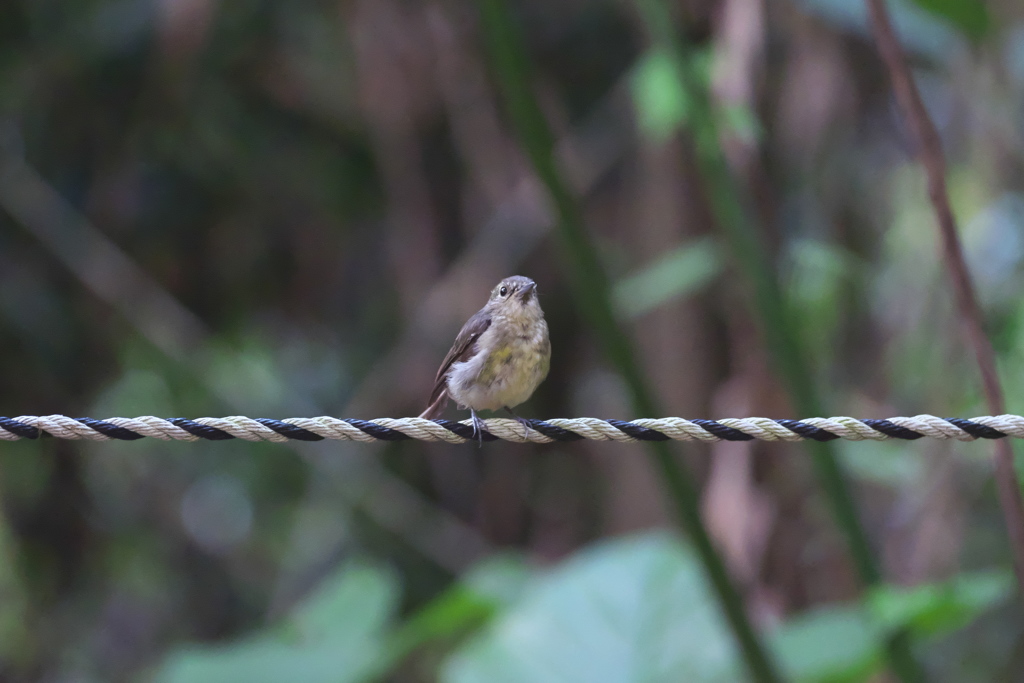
[(500, 356)]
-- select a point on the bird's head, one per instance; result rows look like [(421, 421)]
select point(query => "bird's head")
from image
[(515, 296)]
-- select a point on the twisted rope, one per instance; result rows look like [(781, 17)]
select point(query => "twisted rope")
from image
[(539, 431)]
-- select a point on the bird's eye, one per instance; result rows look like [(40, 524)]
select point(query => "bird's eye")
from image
[(503, 291)]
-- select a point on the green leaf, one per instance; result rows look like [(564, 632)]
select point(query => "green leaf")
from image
[(632, 609), (679, 272), (265, 660), (938, 608), (661, 101), (487, 587), (357, 601), (499, 579), (457, 610), (335, 636), (836, 644), (845, 643), (970, 16)]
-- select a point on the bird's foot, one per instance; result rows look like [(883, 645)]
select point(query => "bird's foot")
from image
[(523, 421), (478, 427)]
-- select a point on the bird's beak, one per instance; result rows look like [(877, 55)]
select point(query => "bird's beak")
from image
[(526, 292)]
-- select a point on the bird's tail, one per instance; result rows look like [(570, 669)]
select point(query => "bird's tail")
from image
[(436, 409)]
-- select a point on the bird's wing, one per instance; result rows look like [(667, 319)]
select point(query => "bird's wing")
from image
[(462, 350)]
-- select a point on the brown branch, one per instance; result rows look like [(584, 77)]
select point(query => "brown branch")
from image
[(929, 152)]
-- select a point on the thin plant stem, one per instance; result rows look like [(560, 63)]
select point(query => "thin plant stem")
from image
[(591, 288), (731, 208), (930, 154)]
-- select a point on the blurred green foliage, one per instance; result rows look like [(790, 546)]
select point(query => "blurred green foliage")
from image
[(632, 609), (970, 16), (334, 636), (661, 101), (675, 274)]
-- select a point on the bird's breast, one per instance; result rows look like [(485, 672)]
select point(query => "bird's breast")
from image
[(509, 367)]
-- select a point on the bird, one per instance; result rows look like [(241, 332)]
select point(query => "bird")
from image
[(499, 358)]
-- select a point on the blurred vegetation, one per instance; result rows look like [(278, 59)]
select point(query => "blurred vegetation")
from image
[(285, 209)]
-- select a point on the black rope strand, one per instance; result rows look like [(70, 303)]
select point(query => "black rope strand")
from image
[(722, 432), (894, 430), (637, 432), (465, 431), (974, 429), (20, 428), (289, 430), (553, 431), (808, 431), (111, 430), (377, 431), (200, 430)]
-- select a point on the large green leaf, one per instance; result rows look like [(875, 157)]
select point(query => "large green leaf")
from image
[(335, 636), (632, 609), (835, 644), (266, 660), (356, 602), (494, 583), (937, 608), (844, 643)]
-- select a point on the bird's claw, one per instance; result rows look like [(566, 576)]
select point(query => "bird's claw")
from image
[(478, 428), (523, 421)]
